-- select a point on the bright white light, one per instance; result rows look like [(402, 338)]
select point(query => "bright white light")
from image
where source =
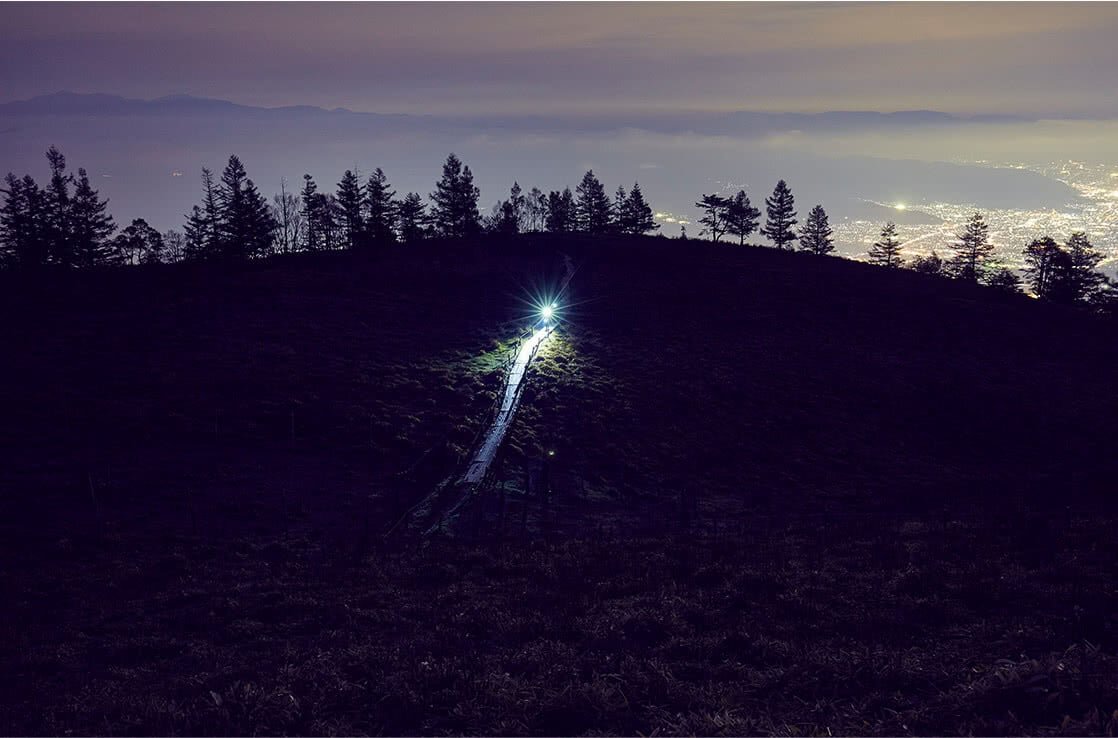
[(547, 312), (900, 206)]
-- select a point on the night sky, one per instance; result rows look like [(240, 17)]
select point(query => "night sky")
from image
[(1037, 59), (538, 93)]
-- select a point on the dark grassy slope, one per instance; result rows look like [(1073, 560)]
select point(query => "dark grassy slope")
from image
[(219, 582), (776, 381), (299, 383)]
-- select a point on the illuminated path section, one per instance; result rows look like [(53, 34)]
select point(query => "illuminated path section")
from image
[(484, 456)]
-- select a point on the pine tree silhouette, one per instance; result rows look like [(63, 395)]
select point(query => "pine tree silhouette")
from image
[(715, 211), (816, 233), (59, 224), (24, 242), (781, 216), (91, 224), (245, 224), (561, 211), (972, 250), (741, 216), (1041, 256), (455, 197), (413, 219), (380, 208), (887, 251), (350, 198), (637, 218), (1084, 282), (592, 206)]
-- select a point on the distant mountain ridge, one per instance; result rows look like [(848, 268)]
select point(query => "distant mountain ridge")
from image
[(77, 103), (715, 123), (135, 147)]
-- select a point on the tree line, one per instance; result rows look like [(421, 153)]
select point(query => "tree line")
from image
[(736, 216), (1065, 274), (1061, 273), (66, 223)]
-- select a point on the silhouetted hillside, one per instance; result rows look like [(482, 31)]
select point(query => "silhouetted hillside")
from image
[(756, 376), (788, 493)]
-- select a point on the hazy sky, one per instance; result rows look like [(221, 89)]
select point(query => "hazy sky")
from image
[(1033, 58)]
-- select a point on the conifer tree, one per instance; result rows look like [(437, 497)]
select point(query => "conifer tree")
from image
[(59, 225), (1004, 280), (617, 211), (1084, 282), (561, 217), (329, 221), (380, 209), (503, 221), (887, 251), (413, 218), (91, 224), (309, 198), (781, 216), (245, 226), (507, 214), (1041, 266), (53, 226), (201, 231), (592, 206), (741, 216), (518, 202), (972, 250), (23, 232), (932, 265), (350, 203), (816, 233), (455, 201), (715, 210), (320, 213), (194, 235), (211, 212), (638, 218)]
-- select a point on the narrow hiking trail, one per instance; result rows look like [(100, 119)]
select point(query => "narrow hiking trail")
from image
[(470, 482), (514, 383), (481, 461)]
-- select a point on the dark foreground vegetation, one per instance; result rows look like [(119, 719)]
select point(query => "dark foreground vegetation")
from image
[(788, 495), (872, 628)]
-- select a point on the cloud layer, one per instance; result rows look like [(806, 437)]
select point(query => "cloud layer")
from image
[(1032, 58)]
